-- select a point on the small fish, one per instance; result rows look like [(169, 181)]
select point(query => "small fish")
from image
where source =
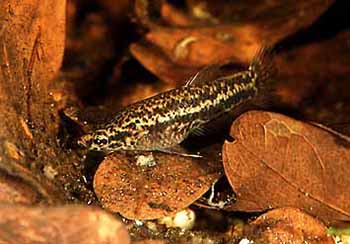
[(163, 121)]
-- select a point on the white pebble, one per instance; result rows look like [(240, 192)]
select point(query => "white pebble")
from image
[(184, 219), (145, 160), (246, 241)]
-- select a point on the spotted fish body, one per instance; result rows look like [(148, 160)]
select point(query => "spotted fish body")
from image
[(165, 120)]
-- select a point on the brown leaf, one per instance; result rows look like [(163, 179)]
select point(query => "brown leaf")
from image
[(289, 14), (277, 161), (176, 17), (287, 225), (69, 224), (197, 46), (153, 58), (150, 192)]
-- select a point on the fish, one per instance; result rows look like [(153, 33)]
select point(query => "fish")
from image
[(162, 122)]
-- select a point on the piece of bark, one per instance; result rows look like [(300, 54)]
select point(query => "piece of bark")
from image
[(151, 192), (276, 161), (68, 224), (32, 42), (15, 190), (287, 225), (31, 49)]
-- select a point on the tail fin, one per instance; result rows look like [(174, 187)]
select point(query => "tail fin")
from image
[(262, 68)]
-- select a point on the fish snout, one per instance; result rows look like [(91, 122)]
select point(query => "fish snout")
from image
[(85, 141)]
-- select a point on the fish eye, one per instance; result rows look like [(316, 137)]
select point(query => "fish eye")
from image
[(100, 141)]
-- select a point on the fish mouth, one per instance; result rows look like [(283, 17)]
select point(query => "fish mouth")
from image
[(85, 141)]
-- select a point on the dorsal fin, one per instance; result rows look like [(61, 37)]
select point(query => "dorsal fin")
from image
[(213, 72)]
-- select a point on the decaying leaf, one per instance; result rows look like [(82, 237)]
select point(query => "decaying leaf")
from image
[(287, 225), (198, 45), (276, 161), (151, 192), (69, 224), (160, 64), (176, 17)]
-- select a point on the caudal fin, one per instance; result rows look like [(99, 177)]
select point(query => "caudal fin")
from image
[(262, 68)]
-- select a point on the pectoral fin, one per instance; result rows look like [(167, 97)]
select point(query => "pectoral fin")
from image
[(200, 131), (178, 150)]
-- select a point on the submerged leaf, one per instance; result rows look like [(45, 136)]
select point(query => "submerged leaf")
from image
[(276, 161), (287, 225), (197, 42), (163, 187)]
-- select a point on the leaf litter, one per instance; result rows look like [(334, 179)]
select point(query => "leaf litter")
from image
[(287, 225), (152, 191), (277, 161)]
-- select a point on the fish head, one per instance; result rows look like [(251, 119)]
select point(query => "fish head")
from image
[(97, 141), (105, 142)]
